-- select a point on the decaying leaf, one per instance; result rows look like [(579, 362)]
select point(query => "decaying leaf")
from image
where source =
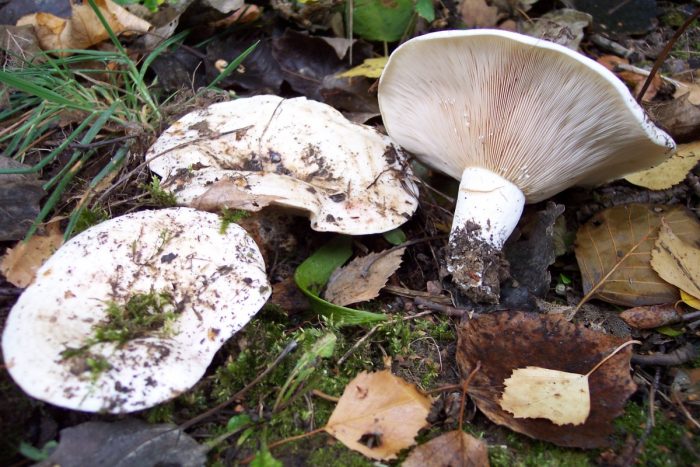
[(370, 68), (478, 14), (670, 172), (692, 90), (677, 261), (635, 80), (506, 341), (651, 316), (362, 278), (19, 264), (451, 449), (226, 194), (680, 117), (558, 396), (563, 27), (619, 241), (126, 443), (19, 199), (379, 414), (84, 28)]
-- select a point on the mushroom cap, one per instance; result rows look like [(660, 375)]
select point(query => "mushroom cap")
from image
[(217, 283), (534, 112), (298, 153)]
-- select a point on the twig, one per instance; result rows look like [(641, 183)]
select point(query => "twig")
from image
[(280, 442), (289, 348), (611, 46), (408, 293), (465, 387), (679, 356), (357, 344), (677, 400), (444, 309), (324, 396), (664, 53), (631, 459)]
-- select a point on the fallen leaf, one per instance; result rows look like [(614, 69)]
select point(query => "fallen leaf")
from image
[(19, 200), (677, 261), (617, 243), (559, 396), (126, 443), (635, 80), (679, 117), (225, 194), (362, 278), (670, 172), (564, 27), (452, 449), (651, 316), (84, 28), (370, 68), (381, 20), (506, 341), (692, 90), (19, 264), (478, 14), (379, 414), (689, 300)]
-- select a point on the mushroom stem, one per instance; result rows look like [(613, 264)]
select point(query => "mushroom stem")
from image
[(488, 209), (487, 205)]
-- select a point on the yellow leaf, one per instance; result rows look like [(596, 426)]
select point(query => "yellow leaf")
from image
[(370, 68), (558, 396), (670, 172), (83, 29), (676, 261), (19, 265), (378, 415), (690, 300)]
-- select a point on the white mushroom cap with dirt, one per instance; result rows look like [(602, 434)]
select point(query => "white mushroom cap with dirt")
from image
[(515, 119)]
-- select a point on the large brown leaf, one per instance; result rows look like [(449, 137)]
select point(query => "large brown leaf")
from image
[(507, 341), (620, 240), (454, 448)]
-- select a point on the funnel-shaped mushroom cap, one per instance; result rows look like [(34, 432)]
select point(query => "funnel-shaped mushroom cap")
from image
[(534, 112), (61, 342), (297, 153)]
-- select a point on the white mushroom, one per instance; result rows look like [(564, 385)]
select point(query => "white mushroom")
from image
[(79, 336), (517, 120), (297, 153)]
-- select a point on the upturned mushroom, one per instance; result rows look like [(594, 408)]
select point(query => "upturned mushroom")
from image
[(297, 153), (130, 312), (515, 119)]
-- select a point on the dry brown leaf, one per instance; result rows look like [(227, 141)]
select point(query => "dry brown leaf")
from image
[(692, 90), (451, 449), (19, 264), (679, 117), (636, 80), (227, 194), (378, 415), (650, 317), (620, 240), (677, 261), (506, 341), (670, 172), (478, 14), (83, 29), (362, 278)]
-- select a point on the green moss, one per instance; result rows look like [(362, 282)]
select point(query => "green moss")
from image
[(231, 216), (159, 196), (666, 444), (337, 454), (90, 217), (673, 18), (524, 452)]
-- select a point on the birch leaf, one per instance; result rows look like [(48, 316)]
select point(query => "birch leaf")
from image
[(676, 261), (670, 172)]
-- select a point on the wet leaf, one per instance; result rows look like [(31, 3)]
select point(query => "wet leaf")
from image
[(396, 236), (506, 341), (84, 28), (670, 172), (370, 68), (451, 449), (379, 414), (19, 199), (19, 264), (618, 242), (313, 274), (651, 316), (558, 396), (677, 261), (101, 443), (381, 20), (362, 278)]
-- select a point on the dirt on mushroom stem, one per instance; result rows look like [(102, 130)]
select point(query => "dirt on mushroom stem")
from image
[(477, 267)]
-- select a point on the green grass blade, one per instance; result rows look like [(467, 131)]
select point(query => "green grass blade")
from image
[(233, 65), (16, 81)]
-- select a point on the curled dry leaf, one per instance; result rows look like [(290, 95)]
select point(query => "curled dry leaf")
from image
[(505, 341), (677, 261), (614, 248), (454, 448), (650, 317), (84, 28), (670, 172), (379, 414), (19, 264), (362, 278)]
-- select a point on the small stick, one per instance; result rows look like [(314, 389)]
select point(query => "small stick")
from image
[(445, 309), (465, 387), (679, 356)]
